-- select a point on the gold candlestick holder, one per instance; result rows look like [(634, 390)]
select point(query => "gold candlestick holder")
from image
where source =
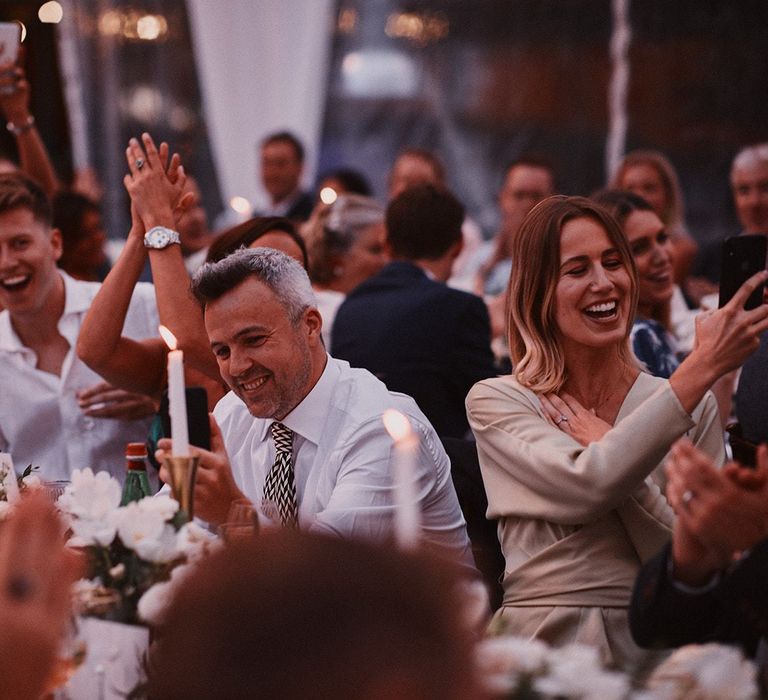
[(182, 471)]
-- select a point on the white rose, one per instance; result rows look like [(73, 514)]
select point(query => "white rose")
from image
[(708, 672), (139, 529), (501, 661), (163, 504), (575, 671), (90, 496), (194, 541), (32, 481), (99, 532)]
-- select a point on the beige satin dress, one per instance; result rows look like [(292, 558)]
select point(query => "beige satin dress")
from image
[(575, 522)]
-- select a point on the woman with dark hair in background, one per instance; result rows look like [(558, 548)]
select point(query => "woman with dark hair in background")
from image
[(346, 248), (262, 231)]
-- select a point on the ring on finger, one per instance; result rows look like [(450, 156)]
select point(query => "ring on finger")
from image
[(139, 163), (561, 419), (687, 497)]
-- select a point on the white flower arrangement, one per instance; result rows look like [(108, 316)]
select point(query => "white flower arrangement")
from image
[(131, 549), (512, 667)]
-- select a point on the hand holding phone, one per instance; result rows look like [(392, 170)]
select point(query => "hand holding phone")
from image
[(742, 257)]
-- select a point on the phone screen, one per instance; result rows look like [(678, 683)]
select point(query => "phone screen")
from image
[(743, 256)]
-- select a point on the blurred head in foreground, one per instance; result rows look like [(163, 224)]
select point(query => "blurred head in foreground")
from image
[(294, 615)]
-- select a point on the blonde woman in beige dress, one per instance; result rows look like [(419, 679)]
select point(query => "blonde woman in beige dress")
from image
[(569, 442)]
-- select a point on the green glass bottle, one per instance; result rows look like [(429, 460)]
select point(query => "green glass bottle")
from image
[(136, 484)]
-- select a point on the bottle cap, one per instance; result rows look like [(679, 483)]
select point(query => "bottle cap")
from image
[(135, 450)]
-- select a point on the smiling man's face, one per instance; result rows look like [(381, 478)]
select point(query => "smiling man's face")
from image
[(264, 357), (29, 250)]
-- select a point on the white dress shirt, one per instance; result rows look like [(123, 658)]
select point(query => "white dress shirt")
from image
[(342, 460), (41, 422)]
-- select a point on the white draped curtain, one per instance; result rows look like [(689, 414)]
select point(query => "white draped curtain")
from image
[(262, 67)]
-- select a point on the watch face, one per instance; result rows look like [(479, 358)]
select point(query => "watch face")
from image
[(159, 238)]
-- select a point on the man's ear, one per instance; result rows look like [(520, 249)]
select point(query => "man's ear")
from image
[(314, 324), (57, 244), (455, 250)]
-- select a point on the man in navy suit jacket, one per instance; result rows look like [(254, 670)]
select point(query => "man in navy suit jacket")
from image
[(419, 336)]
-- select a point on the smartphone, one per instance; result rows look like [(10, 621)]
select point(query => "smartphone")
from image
[(197, 417), (742, 450), (10, 36), (742, 257)]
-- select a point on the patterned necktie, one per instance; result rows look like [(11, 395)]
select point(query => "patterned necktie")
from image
[(279, 486)]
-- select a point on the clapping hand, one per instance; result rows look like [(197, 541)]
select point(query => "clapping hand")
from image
[(719, 512), (155, 183)]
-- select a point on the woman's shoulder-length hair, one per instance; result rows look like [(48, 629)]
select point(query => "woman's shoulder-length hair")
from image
[(534, 341)]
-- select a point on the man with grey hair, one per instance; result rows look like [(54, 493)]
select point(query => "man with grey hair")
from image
[(749, 184), (301, 434)]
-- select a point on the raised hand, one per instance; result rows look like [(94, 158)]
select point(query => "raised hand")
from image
[(215, 487), (155, 185)]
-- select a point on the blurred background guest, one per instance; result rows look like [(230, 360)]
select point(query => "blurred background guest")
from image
[(82, 232), (650, 175), (194, 231), (282, 166), (296, 615), (261, 231), (346, 248)]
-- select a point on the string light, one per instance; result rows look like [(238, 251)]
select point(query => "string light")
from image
[(50, 12)]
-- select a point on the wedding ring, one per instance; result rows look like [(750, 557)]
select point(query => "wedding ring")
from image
[(20, 588), (687, 497), (139, 163), (561, 419)]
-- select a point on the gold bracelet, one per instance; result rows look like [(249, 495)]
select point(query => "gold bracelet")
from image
[(18, 130)]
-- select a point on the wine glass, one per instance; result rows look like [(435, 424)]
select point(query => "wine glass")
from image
[(242, 521)]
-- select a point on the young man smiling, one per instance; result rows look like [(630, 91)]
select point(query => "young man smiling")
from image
[(55, 413), (264, 329)]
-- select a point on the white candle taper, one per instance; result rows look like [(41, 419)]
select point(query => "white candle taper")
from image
[(177, 400), (407, 514)]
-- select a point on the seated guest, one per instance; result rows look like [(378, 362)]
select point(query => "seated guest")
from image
[(417, 166), (301, 433), (347, 247), (54, 411), (282, 165), (405, 325), (651, 337), (651, 175), (300, 616), (345, 181), (709, 583), (260, 232), (195, 234), (568, 443), (82, 232)]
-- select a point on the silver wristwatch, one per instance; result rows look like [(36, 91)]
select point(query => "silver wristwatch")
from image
[(159, 237)]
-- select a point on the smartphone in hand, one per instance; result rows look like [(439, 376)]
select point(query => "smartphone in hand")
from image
[(743, 256)]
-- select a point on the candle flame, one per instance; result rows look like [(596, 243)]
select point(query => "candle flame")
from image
[(328, 195), (396, 424), (168, 337)]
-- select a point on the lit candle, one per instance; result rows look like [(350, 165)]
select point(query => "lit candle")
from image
[(177, 400), (407, 514)]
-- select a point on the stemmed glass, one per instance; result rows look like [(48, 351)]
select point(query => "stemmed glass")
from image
[(242, 521)]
